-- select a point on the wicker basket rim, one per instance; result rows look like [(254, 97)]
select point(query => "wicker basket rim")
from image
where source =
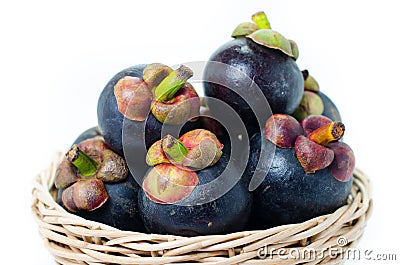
[(74, 240)]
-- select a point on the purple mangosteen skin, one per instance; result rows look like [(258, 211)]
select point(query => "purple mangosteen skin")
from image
[(276, 74), (226, 214), (111, 121), (121, 209), (288, 195)]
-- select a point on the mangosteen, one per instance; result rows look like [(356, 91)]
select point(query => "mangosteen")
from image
[(257, 55), (184, 200), (314, 102), (310, 174), (110, 119), (121, 210), (94, 182), (140, 101)]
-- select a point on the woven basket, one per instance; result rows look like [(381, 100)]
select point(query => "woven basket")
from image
[(322, 240)]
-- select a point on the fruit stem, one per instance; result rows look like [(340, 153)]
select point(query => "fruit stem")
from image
[(174, 149), (86, 165), (172, 83), (328, 133), (261, 20)]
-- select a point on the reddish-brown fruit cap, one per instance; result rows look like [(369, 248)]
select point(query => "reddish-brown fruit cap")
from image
[(193, 138), (313, 122), (312, 156), (113, 168), (154, 73), (169, 184), (343, 165), (93, 146), (67, 198), (155, 155), (65, 175), (85, 194), (133, 98), (204, 148), (205, 154), (282, 130), (181, 108)]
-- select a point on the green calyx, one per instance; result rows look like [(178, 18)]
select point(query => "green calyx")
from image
[(244, 29), (196, 149), (261, 20), (310, 83), (272, 39), (165, 151), (161, 90), (85, 165), (310, 104), (261, 33), (172, 83), (174, 149)]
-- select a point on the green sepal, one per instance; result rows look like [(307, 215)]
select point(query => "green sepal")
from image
[(272, 39), (244, 29)]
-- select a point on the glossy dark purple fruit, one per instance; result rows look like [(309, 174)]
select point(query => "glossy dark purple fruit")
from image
[(226, 214), (114, 192), (121, 210), (140, 101), (289, 195), (275, 73), (111, 121)]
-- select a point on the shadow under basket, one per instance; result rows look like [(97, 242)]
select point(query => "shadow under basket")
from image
[(322, 240)]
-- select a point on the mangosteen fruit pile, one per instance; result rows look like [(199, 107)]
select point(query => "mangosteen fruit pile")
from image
[(159, 162)]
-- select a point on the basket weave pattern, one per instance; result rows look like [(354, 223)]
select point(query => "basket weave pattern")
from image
[(74, 240)]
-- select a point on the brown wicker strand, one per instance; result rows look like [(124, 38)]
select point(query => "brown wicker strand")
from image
[(74, 240)]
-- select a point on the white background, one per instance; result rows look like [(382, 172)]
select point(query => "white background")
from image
[(55, 58)]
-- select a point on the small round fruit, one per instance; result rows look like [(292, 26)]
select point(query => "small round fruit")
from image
[(289, 195), (110, 119), (94, 182), (275, 73), (140, 101), (228, 213), (121, 210), (261, 56)]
